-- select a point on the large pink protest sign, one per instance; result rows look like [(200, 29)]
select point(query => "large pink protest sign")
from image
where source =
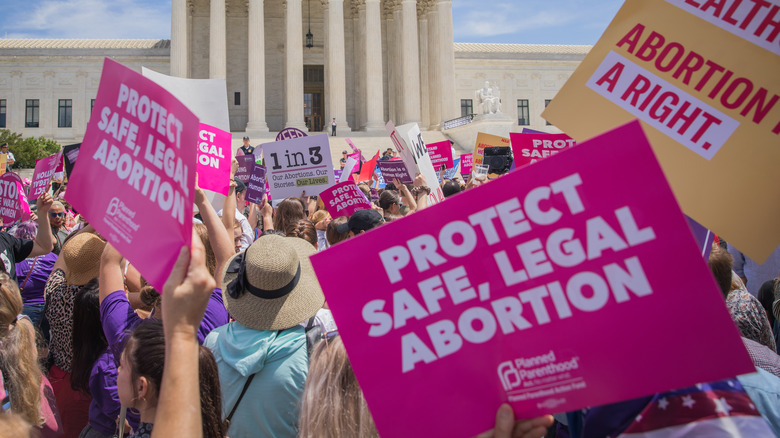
[(44, 169), (441, 153), (343, 199), (529, 148), (466, 163), (548, 288), (10, 197), (214, 159), (135, 173)]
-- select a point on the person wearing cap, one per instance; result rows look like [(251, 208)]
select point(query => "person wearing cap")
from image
[(333, 128), (343, 160), (360, 222), (9, 155), (247, 149), (270, 290)]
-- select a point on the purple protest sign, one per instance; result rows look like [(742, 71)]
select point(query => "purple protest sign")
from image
[(245, 165), (255, 188), (394, 169), (290, 133), (337, 174), (343, 199), (704, 237), (44, 169)]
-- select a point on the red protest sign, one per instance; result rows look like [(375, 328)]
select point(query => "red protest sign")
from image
[(367, 171), (526, 285), (135, 173)]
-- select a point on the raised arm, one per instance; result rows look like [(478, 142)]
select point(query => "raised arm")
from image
[(44, 241), (230, 202), (185, 296), (111, 276), (221, 242)]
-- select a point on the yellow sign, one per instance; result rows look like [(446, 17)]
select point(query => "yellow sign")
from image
[(487, 141), (3, 163), (704, 79)]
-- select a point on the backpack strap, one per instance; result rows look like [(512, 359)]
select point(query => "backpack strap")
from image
[(21, 288), (241, 396), (313, 334)]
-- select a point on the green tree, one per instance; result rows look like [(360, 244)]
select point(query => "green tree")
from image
[(27, 150)]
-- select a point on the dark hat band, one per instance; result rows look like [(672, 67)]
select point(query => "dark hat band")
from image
[(240, 284)]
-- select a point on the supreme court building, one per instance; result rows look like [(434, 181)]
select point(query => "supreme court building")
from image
[(294, 63)]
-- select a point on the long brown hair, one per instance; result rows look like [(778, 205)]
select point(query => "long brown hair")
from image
[(19, 355), (332, 405), (210, 395), (211, 258), (289, 211)]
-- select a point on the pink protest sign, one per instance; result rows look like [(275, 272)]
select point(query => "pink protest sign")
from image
[(529, 148), (214, 159), (135, 174), (10, 197), (548, 288), (441, 153), (466, 163), (343, 199), (44, 169)]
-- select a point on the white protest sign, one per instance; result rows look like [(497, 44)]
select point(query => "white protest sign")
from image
[(409, 143), (349, 167), (297, 165)]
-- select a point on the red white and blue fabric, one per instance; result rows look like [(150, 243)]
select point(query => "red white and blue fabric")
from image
[(721, 408)]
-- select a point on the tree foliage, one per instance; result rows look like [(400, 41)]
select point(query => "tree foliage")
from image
[(27, 150)]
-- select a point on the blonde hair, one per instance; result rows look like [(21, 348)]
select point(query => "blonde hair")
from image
[(19, 355), (15, 426), (319, 215), (332, 404)]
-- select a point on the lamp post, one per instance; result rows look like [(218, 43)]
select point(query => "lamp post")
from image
[(309, 35)]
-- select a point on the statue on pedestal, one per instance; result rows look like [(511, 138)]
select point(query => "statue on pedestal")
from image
[(489, 99)]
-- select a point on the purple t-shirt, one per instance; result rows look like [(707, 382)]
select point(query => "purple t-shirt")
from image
[(105, 404), (119, 319), (32, 292)]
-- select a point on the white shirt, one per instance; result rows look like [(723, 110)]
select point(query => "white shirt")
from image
[(247, 234)]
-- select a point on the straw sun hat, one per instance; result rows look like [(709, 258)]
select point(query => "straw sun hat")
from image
[(272, 285), (81, 255)]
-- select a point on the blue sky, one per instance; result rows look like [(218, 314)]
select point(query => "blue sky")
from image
[(490, 21)]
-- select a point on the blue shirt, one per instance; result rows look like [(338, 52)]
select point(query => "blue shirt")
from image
[(756, 273), (763, 388)]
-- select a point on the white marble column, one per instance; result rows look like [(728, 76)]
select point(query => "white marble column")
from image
[(179, 38), (373, 59), (15, 109), (256, 68), (422, 24), (293, 52), (217, 41), (411, 62), (48, 109), (398, 63), (434, 67), (81, 106), (450, 107), (337, 76), (392, 66)]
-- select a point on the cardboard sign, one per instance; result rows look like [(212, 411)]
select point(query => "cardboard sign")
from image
[(3, 163), (10, 205), (702, 78), (299, 164), (394, 169), (527, 285), (290, 133), (343, 199), (409, 143), (466, 164), (214, 159), (245, 165), (255, 188), (70, 154), (530, 148), (441, 153), (135, 175), (486, 141), (44, 169)]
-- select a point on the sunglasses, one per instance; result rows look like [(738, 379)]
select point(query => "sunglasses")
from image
[(57, 214)]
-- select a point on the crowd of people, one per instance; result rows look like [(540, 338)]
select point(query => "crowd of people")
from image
[(240, 343)]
